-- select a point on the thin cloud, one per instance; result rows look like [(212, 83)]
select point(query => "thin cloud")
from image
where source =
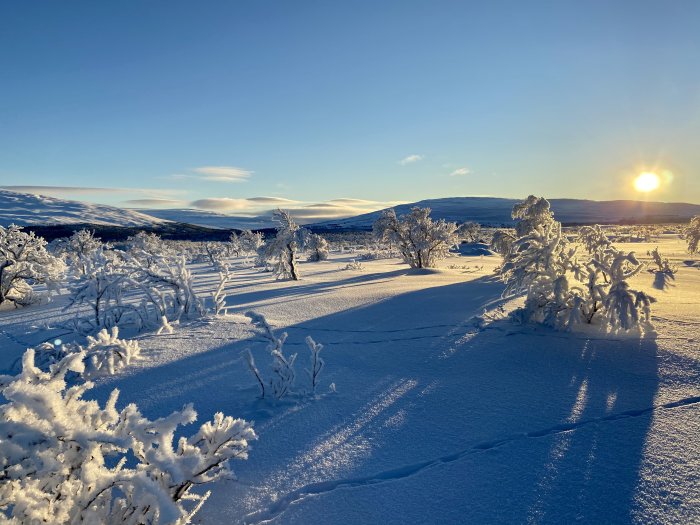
[(222, 204), (460, 172), (154, 202), (272, 200), (87, 190), (223, 173), (411, 159), (64, 189)]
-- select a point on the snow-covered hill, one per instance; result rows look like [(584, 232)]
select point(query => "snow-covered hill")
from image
[(495, 211), (25, 209)]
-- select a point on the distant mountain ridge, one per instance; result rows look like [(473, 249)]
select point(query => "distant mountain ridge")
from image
[(494, 211), (25, 209)]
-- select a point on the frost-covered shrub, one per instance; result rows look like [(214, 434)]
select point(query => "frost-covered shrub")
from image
[(105, 354), (24, 262), (67, 460), (147, 248), (469, 232), (282, 250), (501, 241), (217, 252), (77, 248), (354, 265), (421, 241), (662, 263), (282, 377), (168, 275), (317, 247), (692, 234), (160, 284), (234, 245), (562, 291), (593, 239), (219, 295), (531, 213), (101, 287), (282, 374), (251, 242), (316, 364)]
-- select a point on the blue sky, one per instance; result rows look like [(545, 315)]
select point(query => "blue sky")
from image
[(214, 103)]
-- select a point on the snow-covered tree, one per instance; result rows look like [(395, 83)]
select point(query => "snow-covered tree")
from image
[(235, 244), (469, 232), (169, 274), (76, 248), (593, 239), (24, 262), (67, 460), (692, 234), (663, 265), (251, 241), (216, 253), (147, 248), (101, 288), (562, 291), (317, 247), (282, 250), (502, 240), (421, 240), (531, 213)]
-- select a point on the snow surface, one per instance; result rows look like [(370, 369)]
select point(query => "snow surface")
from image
[(24, 209), (437, 418), (491, 211)]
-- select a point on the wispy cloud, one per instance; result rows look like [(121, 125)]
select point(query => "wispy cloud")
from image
[(223, 173), (64, 189), (215, 174), (156, 202), (411, 159), (302, 211), (460, 172), (222, 204), (273, 200)]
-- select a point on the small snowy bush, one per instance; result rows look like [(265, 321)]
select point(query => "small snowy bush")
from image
[(469, 231), (501, 241), (562, 291), (282, 250), (692, 234), (219, 295), (421, 240), (77, 248), (317, 247), (354, 265), (24, 262), (105, 354), (662, 263), (67, 460), (282, 374)]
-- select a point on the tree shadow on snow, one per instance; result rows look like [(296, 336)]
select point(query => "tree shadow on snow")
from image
[(526, 417)]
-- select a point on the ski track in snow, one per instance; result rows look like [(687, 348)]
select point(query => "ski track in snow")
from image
[(323, 487)]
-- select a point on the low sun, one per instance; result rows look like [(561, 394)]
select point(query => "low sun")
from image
[(647, 181)]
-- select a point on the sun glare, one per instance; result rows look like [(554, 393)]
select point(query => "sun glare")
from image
[(647, 181)]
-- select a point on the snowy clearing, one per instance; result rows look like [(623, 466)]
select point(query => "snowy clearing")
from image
[(437, 417)]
